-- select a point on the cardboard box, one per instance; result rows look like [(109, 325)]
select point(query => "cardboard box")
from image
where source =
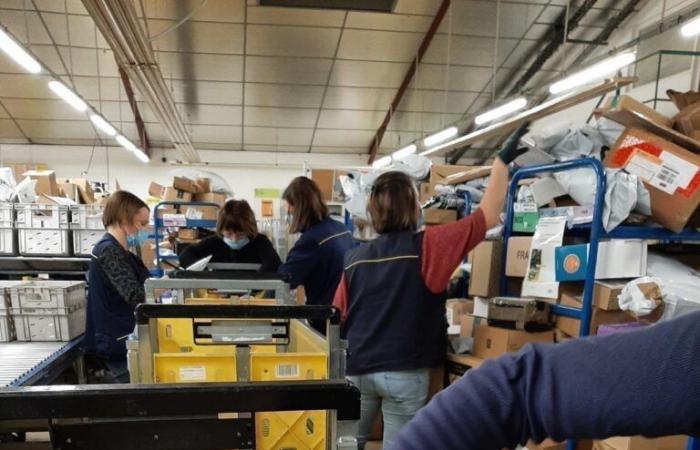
[(625, 102), (605, 294), (485, 276), (670, 172), (19, 170), (617, 258), (439, 172), (549, 444), (204, 185), (492, 342), (188, 233), (598, 317), (438, 216), (170, 194), (155, 189), (148, 254), (211, 197), (70, 191), (468, 175), (642, 443), (186, 185), (468, 324), (45, 182), (456, 308), (87, 195), (518, 254), (201, 212), (425, 191)]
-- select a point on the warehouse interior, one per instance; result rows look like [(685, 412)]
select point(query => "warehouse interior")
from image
[(162, 260)]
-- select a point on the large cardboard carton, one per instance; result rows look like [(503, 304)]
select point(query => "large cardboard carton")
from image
[(87, 195), (642, 443), (468, 324), (155, 189), (518, 254), (492, 342), (70, 191), (605, 294), (434, 216), (625, 102), (485, 276), (173, 195), (599, 317), (210, 197), (456, 308), (439, 172), (670, 172), (186, 185), (45, 182), (468, 175), (201, 212), (326, 181), (19, 170), (425, 191)]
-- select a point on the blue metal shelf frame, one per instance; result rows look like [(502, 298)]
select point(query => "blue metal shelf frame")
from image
[(158, 224)]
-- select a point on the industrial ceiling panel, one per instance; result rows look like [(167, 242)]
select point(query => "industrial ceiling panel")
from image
[(342, 149), (395, 139), (358, 98), (210, 114), (88, 61), (258, 94), (208, 92), (385, 46), (74, 6), (436, 101), (350, 120), (292, 41), (279, 136), (200, 66), (41, 109), (369, 5), (3, 112), (49, 129), (287, 70), (280, 117), (204, 37), (432, 76), (409, 121), (83, 32), (343, 138), (295, 16), (24, 86), (468, 51), (276, 148), (25, 26), (215, 134), (388, 22), (368, 74), (213, 11), (420, 7), (218, 147)]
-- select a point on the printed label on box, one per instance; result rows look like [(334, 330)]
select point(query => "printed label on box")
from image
[(287, 370), (193, 373), (644, 165), (174, 220)]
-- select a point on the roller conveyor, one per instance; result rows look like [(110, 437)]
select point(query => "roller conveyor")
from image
[(24, 363)]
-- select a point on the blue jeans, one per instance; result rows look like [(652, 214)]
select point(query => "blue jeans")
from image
[(399, 395)]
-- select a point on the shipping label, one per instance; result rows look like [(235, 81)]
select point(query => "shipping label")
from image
[(193, 373)]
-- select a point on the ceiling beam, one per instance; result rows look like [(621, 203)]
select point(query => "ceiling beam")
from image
[(427, 39), (143, 136)]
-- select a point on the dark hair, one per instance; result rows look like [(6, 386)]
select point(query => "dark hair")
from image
[(237, 216), (393, 204), (121, 207), (305, 197)]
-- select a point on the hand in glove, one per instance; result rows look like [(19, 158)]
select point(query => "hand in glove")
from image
[(511, 148)]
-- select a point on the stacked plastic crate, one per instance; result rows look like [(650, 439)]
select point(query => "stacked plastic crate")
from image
[(8, 242), (48, 311), (86, 227), (7, 325), (43, 229)]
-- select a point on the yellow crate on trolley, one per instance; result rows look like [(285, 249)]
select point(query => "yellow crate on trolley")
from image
[(193, 368), (299, 430)]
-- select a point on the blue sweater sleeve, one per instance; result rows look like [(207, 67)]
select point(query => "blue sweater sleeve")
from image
[(301, 261), (645, 382)]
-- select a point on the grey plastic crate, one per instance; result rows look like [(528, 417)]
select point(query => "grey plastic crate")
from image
[(43, 230), (87, 228), (40, 216), (48, 324), (8, 236), (48, 294), (7, 326)]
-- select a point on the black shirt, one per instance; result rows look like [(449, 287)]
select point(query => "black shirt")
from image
[(258, 251)]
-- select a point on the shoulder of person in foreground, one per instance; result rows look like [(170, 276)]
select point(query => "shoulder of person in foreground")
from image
[(643, 382)]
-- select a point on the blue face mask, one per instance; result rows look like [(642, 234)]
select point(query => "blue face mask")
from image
[(236, 245), (138, 239)]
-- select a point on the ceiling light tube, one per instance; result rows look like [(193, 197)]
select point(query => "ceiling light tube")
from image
[(17, 53), (143, 157), (593, 73), (440, 136), (67, 95), (127, 144), (404, 152), (691, 28), (501, 111), (381, 162), (102, 124)]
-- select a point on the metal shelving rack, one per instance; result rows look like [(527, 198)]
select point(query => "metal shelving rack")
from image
[(159, 224), (596, 232)]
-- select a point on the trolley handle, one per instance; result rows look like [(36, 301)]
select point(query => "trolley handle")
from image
[(146, 311)]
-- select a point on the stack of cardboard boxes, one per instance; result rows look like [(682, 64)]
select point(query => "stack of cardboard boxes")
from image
[(447, 175)]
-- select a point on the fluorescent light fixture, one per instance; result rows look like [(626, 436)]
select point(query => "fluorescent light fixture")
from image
[(66, 94), (440, 136), (404, 152), (501, 111), (19, 54), (102, 124), (381, 162), (127, 144), (593, 73), (143, 157), (691, 28)]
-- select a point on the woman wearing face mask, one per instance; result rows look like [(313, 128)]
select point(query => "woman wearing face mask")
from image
[(115, 280), (237, 241)]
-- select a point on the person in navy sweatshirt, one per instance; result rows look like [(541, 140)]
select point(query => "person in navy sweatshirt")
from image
[(392, 294), (644, 382), (316, 260)]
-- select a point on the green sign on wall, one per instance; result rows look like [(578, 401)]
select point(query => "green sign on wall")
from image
[(267, 193)]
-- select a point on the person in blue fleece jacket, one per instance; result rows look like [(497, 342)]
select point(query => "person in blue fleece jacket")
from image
[(643, 382)]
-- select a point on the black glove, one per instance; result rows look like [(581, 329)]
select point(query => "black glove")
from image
[(511, 148)]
